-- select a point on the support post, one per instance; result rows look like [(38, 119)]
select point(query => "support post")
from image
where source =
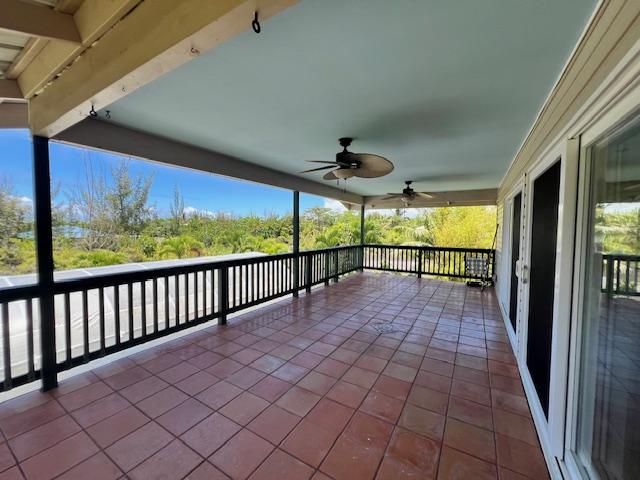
[(223, 288), (327, 268), (336, 269), (419, 262), (296, 242), (44, 260), (362, 233), (609, 277), (307, 272)]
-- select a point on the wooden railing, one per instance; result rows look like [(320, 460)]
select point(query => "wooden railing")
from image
[(621, 274), (100, 315), (437, 261)]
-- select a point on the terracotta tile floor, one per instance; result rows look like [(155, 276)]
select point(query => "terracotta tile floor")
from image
[(299, 389)]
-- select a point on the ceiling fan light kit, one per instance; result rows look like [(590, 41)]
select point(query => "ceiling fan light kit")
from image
[(344, 173)]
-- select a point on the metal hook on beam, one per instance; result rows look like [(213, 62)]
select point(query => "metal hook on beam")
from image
[(255, 24)]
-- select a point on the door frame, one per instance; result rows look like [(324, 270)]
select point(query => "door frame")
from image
[(596, 134), (507, 222), (551, 427)]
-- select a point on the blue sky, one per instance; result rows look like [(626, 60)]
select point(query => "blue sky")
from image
[(201, 191)]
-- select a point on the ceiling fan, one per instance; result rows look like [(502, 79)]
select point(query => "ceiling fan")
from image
[(348, 164), (408, 194)]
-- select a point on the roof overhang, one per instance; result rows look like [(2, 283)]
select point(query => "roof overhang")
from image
[(459, 198), (102, 135)]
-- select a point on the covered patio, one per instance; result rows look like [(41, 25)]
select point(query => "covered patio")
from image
[(378, 376), (355, 359)]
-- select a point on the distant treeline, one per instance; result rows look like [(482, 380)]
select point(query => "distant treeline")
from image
[(107, 219)]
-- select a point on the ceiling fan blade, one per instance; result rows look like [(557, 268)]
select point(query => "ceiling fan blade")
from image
[(372, 166), (330, 176), (319, 168), (424, 195), (322, 161), (392, 196)]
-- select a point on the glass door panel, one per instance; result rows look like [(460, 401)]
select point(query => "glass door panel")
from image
[(544, 228), (608, 415)]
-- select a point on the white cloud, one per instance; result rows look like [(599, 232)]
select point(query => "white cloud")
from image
[(334, 205), (197, 211), (26, 201)]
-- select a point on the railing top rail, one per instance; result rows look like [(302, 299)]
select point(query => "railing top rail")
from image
[(621, 256), (18, 292), (431, 247), (111, 279)]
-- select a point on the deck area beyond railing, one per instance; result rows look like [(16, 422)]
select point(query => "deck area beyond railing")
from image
[(99, 315)]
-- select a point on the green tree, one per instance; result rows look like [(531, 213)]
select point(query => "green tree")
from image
[(183, 246), (127, 198), (13, 214), (177, 212), (472, 227)]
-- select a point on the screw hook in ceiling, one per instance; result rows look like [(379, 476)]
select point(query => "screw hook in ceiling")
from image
[(255, 24), (92, 112), (107, 114)]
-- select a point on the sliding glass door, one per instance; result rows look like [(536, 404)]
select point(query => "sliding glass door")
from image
[(607, 418)]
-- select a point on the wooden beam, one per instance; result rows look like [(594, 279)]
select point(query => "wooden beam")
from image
[(37, 21), (93, 19), (453, 198), (155, 38), (14, 115), (103, 135), (9, 90), (35, 45)]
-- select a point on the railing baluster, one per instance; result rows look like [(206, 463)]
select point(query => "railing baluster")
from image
[(205, 307), (101, 320), (85, 324), (626, 276), (215, 307), (186, 297), (6, 347), (246, 283), (67, 326), (155, 304), (130, 309), (176, 300), (116, 312), (30, 355), (327, 269), (196, 302), (143, 306), (166, 302), (233, 303), (223, 284)]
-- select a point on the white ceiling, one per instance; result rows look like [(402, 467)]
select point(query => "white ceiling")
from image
[(447, 90)]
